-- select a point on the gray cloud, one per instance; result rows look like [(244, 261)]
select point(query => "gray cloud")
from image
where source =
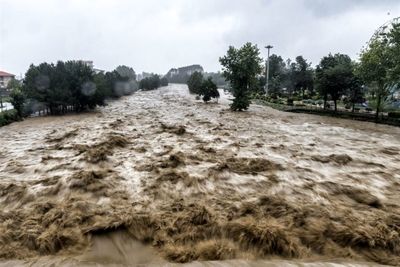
[(155, 35)]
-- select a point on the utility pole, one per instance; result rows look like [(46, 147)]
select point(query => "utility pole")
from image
[(269, 47)]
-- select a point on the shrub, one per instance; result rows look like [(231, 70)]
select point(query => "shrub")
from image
[(18, 100), (299, 105), (150, 83), (195, 82), (8, 116), (394, 114), (164, 81), (208, 90)]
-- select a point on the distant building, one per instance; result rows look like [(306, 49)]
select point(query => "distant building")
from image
[(181, 75), (5, 79), (90, 64), (97, 71)]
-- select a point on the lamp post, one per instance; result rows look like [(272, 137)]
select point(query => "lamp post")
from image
[(268, 47)]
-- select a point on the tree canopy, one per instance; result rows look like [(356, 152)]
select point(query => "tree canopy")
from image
[(241, 67), (72, 85), (335, 76), (379, 66), (195, 82), (150, 83)]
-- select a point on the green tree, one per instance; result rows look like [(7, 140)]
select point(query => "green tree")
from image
[(164, 81), (355, 92), (18, 100), (150, 83), (303, 76), (276, 75), (335, 76), (377, 68), (126, 72), (208, 90), (195, 82), (241, 67), (63, 86)]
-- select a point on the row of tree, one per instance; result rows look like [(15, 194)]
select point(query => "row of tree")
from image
[(69, 86), (376, 75), (152, 82), (205, 88)]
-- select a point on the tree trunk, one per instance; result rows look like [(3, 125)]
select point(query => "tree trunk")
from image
[(325, 100), (354, 105), (378, 107), (335, 101)]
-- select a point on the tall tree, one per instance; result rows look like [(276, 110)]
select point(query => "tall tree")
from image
[(303, 76), (276, 74), (378, 67), (241, 67), (335, 76), (195, 81)]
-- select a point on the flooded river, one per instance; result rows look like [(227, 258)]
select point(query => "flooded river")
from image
[(158, 178)]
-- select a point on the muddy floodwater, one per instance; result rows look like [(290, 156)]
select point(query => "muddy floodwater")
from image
[(158, 178)]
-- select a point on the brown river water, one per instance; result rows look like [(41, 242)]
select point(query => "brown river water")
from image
[(158, 179)]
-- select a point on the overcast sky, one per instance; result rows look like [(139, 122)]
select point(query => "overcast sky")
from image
[(155, 35)]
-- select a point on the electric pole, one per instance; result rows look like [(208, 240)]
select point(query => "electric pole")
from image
[(269, 47)]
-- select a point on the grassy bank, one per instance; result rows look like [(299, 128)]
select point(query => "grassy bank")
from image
[(370, 117)]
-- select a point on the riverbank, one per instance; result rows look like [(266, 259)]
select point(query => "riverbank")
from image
[(369, 117)]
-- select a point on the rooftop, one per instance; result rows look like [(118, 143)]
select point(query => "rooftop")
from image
[(6, 74)]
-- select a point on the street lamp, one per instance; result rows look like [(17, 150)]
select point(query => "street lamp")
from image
[(269, 47)]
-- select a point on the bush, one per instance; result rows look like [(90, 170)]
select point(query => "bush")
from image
[(18, 101), (394, 114), (195, 82), (299, 105), (208, 90), (8, 116), (164, 81), (150, 83)]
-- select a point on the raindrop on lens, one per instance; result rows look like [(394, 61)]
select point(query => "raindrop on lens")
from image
[(88, 88)]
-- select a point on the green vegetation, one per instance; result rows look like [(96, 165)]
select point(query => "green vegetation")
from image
[(164, 81), (202, 87), (194, 83), (73, 86), (379, 66), (150, 83), (335, 77), (18, 101), (241, 67), (8, 116), (394, 114), (336, 82), (208, 90)]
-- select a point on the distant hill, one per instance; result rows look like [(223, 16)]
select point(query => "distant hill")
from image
[(181, 75)]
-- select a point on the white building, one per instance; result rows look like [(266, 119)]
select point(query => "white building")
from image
[(5, 79)]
